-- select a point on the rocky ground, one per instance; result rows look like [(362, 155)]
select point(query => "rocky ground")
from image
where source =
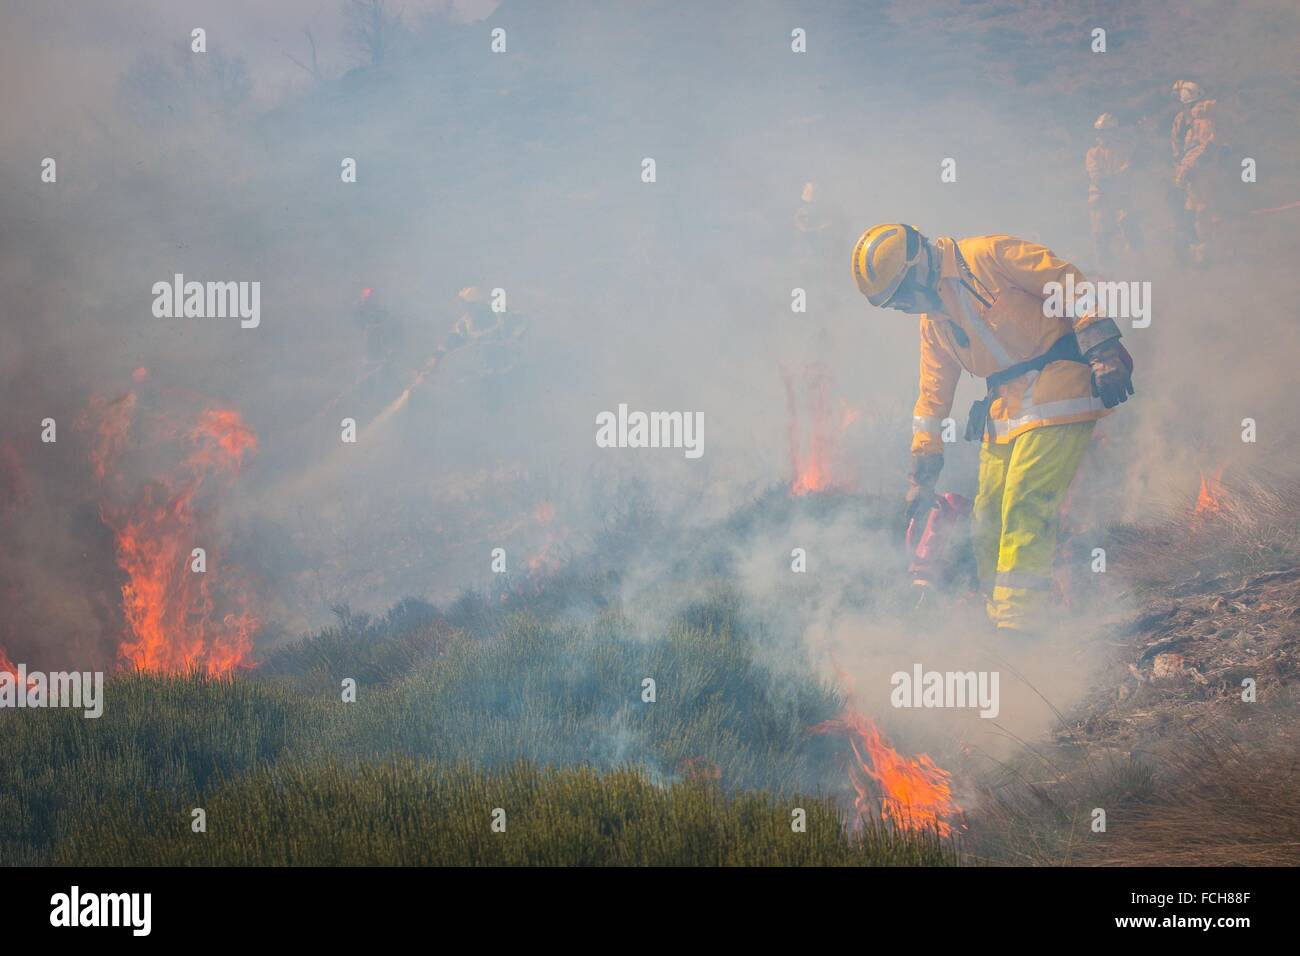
[(1189, 737)]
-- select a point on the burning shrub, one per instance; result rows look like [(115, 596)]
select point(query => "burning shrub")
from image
[(176, 617), (1236, 526), (549, 692)]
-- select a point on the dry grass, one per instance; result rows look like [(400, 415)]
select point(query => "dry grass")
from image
[(1221, 803), (1253, 532), (1188, 772)]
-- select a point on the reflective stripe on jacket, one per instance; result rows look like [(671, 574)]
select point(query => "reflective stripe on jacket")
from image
[(984, 337)]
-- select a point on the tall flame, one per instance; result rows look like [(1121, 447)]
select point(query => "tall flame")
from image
[(171, 611), (913, 793), (813, 471), (177, 618)]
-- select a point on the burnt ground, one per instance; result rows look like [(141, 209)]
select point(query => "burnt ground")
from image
[(1187, 768), (1183, 660)]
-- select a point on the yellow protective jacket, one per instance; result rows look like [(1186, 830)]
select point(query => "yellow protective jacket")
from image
[(1107, 168), (993, 321), (1198, 136)]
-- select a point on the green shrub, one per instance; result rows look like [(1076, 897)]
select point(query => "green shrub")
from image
[(410, 812)]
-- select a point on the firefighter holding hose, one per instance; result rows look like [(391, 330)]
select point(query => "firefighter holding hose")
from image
[(981, 303)]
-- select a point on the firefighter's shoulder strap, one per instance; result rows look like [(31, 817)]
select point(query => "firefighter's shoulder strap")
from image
[(1064, 349)]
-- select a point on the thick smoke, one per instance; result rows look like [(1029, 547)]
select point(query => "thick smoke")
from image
[(522, 171)]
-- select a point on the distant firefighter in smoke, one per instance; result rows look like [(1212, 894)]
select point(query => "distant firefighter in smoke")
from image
[(478, 324), (473, 318), (1193, 140), (1110, 186), (982, 307)]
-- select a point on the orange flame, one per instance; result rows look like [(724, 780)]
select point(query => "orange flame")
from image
[(221, 439), (111, 421), (814, 472), (545, 559), (699, 769), (1213, 499), (177, 618), (9, 667), (912, 793)]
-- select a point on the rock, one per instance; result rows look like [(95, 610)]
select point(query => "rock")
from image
[(1168, 666)]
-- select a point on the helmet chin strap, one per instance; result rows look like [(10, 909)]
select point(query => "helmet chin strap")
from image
[(926, 290), (911, 290), (931, 274)]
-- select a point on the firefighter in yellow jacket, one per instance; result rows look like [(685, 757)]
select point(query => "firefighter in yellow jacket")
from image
[(1195, 146), (983, 307), (1109, 167)]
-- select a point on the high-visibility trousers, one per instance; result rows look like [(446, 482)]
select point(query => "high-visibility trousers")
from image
[(1016, 516)]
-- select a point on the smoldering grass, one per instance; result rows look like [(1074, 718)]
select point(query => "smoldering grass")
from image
[(537, 693), (1026, 821), (460, 704), (1253, 531)]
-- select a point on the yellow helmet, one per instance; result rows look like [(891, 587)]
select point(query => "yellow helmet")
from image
[(882, 258), (1187, 91)]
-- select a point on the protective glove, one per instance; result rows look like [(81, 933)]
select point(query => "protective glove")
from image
[(920, 486), (1112, 372)]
